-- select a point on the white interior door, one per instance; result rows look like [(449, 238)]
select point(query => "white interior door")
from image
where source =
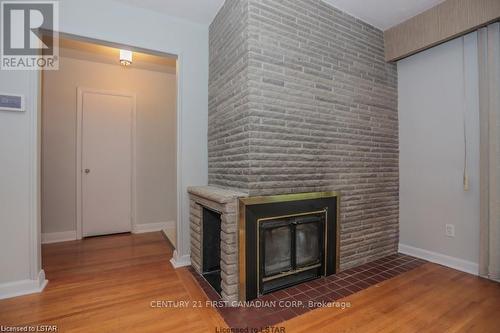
[(106, 162)]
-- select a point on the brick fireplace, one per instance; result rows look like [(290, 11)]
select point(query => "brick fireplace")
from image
[(246, 247), (302, 100), (223, 202)]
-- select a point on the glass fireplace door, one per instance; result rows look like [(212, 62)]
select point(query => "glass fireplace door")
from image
[(291, 250), (308, 238), (277, 250)]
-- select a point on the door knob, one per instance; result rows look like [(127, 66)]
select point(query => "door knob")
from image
[(87, 170)]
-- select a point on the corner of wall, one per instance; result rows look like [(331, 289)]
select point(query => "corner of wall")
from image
[(23, 287)]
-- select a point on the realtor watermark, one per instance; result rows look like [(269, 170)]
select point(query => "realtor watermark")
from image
[(265, 329), (284, 304), (29, 35), (29, 328)]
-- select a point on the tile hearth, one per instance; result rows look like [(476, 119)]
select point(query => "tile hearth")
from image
[(322, 290)]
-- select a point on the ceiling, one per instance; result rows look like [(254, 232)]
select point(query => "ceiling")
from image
[(382, 14), (199, 11), (88, 51)]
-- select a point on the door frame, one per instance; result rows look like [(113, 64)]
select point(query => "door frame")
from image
[(181, 256), (79, 144)]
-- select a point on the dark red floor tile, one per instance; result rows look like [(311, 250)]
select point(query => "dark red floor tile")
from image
[(364, 284), (325, 289), (295, 290), (343, 292), (351, 279), (313, 293), (280, 294), (316, 283), (302, 297), (354, 288)]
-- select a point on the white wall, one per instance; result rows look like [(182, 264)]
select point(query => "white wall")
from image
[(155, 91), (109, 21), (431, 99), (20, 259)]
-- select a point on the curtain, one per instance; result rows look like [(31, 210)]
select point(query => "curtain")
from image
[(489, 108)]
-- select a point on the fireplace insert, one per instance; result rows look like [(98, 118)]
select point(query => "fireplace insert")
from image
[(291, 249), (285, 240)]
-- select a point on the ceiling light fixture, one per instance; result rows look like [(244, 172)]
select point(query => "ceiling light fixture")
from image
[(125, 57)]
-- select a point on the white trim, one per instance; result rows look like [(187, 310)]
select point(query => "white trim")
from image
[(179, 231), (180, 261), (56, 237), (442, 259), (23, 287), (34, 198), (79, 103), (152, 227), (79, 169)]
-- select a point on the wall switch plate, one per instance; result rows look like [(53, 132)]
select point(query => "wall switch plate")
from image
[(450, 230)]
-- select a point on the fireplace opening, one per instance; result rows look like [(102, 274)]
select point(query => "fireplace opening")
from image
[(285, 240), (291, 250), (211, 229)]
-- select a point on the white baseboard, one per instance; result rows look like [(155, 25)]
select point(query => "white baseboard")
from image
[(180, 261), (23, 287), (442, 259), (64, 236), (56, 237), (152, 227)]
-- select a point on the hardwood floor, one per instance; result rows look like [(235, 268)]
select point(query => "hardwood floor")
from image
[(430, 298), (107, 284)]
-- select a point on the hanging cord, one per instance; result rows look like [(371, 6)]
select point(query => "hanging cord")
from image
[(464, 109)]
